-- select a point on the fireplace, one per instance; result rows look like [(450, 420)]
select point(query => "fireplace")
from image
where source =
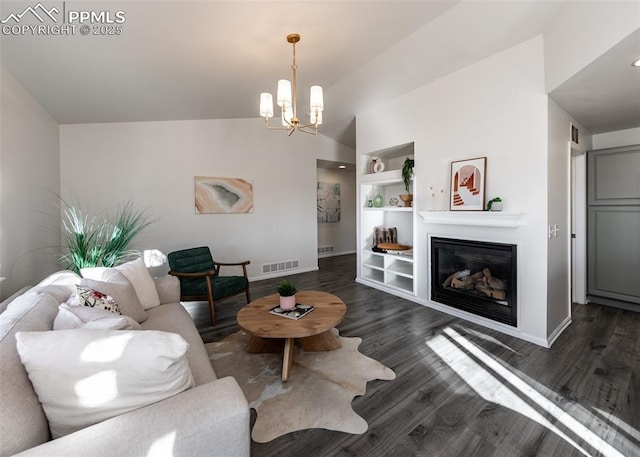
[(475, 276)]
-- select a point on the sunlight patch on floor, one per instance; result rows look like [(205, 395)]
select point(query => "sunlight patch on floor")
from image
[(481, 372)]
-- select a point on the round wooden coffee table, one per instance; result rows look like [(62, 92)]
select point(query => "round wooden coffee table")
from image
[(313, 331)]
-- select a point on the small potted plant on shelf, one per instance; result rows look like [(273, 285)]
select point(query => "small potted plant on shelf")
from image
[(407, 173), (287, 291), (495, 204)]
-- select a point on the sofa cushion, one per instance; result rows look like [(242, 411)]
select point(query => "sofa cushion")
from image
[(136, 272), (70, 317), (123, 293), (83, 377), (23, 423), (96, 299), (174, 318)]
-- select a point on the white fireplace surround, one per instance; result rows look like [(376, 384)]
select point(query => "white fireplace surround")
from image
[(475, 218), (483, 225)]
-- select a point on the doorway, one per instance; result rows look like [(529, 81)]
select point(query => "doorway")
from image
[(578, 224)]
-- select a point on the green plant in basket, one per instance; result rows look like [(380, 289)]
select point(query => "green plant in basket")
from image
[(286, 288), (100, 243)]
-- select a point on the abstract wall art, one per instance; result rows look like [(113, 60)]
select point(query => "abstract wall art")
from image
[(223, 195), (328, 202), (467, 184)]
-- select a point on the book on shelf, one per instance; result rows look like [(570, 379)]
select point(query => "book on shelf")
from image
[(295, 313)]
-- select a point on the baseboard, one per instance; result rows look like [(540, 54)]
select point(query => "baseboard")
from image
[(558, 331), (282, 273), (336, 254)]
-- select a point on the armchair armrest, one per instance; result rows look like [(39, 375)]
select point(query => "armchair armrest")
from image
[(242, 264), (210, 419), (245, 262)]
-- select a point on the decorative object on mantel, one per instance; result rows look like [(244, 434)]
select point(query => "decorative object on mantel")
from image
[(495, 204), (468, 184), (287, 291), (436, 199), (407, 173), (287, 101)]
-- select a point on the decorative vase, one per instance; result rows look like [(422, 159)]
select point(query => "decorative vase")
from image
[(288, 302), (378, 200), (496, 206), (407, 199)]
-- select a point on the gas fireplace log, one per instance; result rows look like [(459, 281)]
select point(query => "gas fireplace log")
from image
[(494, 283), (465, 283), (456, 275)]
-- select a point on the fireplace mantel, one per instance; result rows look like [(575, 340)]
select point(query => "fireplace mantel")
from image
[(505, 219)]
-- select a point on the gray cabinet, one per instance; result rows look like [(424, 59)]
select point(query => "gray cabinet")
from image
[(613, 226)]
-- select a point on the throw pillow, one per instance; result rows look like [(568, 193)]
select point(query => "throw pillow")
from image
[(136, 272), (70, 317), (123, 293), (96, 299), (86, 376)]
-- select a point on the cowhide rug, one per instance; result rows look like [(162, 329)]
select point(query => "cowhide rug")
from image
[(318, 394)]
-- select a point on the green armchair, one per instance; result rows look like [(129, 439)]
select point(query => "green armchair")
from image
[(200, 277)]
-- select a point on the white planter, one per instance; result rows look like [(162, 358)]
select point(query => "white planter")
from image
[(288, 302), (496, 206)]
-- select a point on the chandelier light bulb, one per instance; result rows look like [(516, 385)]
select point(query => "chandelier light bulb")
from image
[(266, 105), (284, 93), (315, 98)]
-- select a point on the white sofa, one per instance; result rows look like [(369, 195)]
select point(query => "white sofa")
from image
[(210, 419)]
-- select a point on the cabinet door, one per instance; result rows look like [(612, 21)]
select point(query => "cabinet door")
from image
[(614, 253), (613, 226)]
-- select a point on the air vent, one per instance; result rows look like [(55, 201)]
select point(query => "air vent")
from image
[(325, 250), (280, 266)]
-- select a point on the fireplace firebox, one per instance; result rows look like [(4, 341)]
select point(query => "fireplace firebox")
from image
[(475, 276)]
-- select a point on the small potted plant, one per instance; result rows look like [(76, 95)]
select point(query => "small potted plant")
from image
[(287, 291), (495, 204), (407, 173)]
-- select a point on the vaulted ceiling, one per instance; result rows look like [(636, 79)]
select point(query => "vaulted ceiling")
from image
[(211, 59)]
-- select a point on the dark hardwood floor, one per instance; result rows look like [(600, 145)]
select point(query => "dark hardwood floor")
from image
[(464, 390)]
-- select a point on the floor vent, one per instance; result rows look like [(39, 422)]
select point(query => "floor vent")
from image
[(279, 266), (325, 250)]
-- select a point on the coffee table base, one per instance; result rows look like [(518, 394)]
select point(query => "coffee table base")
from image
[(326, 341)]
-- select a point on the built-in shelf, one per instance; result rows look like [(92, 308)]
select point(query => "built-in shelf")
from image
[(389, 208), (505, 219)]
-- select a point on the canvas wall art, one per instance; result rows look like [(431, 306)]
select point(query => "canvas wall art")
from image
[(467, 184), (328, 202), (223, 195)]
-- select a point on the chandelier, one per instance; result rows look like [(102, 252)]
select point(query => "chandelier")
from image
[(287, 101)]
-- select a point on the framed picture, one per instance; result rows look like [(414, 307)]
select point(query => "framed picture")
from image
[(468, 184), (223, 195), (328, 208)]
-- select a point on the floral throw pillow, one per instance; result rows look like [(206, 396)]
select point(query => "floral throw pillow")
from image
[(94, 299)]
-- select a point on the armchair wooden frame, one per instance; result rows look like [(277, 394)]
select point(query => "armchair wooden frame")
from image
[(208, 275)]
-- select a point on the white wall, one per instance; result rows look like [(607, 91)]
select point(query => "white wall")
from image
[(496, 108), (154, 164), (582, 32), (615, 139), (29, 184), (341, 235), (559, 207)]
